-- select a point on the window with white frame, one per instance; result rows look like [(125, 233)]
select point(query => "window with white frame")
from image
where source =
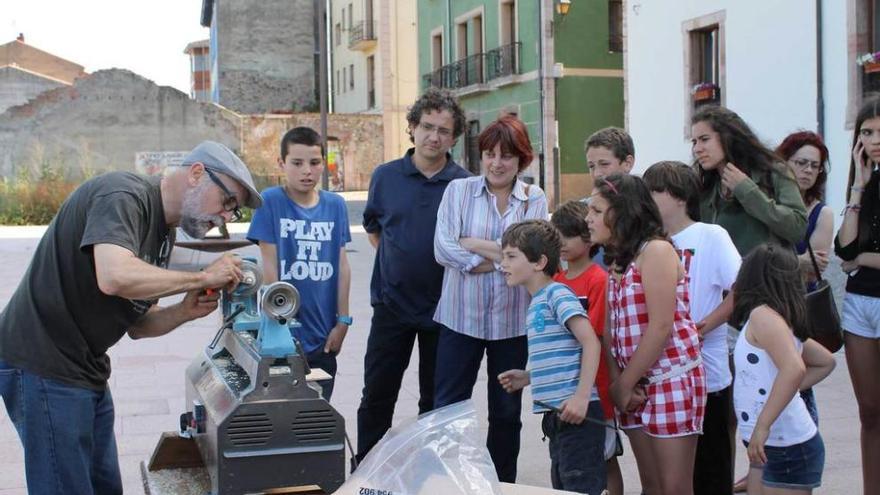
[(705, 66), (437, 50), (507, 22), (468, 68), (504, 60), (704, 63)]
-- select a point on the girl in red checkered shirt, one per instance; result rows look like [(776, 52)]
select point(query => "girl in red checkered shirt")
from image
[(657, 379)]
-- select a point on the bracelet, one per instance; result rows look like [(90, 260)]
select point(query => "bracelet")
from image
[(857, 189), (851, 207)]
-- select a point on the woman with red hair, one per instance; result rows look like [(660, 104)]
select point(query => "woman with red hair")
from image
[(807, 156), (479, 312)]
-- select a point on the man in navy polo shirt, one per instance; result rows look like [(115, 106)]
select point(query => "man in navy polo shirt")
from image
[(400, 217)]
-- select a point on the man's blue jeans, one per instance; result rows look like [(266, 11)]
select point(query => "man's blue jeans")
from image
[(66, 431)]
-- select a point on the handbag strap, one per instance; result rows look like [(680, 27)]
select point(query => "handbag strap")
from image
[(813, 259)]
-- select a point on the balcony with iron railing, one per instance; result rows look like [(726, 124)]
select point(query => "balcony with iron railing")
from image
[(460, 74), (362, 35), (503, 61)]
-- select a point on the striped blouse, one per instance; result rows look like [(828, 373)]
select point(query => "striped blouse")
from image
[(480, 305)]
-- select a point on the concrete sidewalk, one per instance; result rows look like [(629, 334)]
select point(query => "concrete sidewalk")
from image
[(148, 387)]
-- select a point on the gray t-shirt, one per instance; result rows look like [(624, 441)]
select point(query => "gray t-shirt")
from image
[(58, 324)]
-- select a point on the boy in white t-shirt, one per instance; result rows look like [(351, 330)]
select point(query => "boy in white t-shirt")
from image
[(712, 262)]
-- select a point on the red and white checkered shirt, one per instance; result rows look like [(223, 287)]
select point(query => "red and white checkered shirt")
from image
[(676, 383), (629, 320)]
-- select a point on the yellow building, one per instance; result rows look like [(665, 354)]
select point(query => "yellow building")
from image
[(374, 53)]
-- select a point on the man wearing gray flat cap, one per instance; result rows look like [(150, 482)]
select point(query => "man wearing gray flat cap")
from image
[(95, 276)]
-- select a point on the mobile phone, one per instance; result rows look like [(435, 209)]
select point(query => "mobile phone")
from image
[(864, 150)]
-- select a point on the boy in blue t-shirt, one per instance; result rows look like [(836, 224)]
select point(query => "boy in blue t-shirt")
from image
[(302, 233), (563, 359)]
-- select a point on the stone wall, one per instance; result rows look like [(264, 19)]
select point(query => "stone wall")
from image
[(101, 121), (265, 55), (359, 138), (18, 86)]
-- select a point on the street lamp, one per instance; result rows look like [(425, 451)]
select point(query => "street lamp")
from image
[(562, 7)]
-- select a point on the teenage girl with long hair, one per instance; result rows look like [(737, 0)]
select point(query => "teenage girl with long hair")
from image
[(657, 379), (858, 244), (746, 188)]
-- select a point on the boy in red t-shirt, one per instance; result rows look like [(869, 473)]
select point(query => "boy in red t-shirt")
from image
[(589, 282)]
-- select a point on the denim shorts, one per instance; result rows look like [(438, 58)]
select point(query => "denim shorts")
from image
[(797, 467), (861, 315)]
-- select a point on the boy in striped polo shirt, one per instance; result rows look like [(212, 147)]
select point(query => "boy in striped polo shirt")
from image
[(563, 359)]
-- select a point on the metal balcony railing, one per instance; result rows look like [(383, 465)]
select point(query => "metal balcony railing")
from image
[(361, 33), (460, 74), (503, 61)]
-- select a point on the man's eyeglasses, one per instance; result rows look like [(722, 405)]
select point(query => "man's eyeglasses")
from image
[(231, 202), (803, 163), (441, 131)]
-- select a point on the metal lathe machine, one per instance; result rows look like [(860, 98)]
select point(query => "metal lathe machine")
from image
[(257, 417)]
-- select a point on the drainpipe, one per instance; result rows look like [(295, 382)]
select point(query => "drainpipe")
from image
[(449, 58), (322, 82), (541, 166), (820, 81)]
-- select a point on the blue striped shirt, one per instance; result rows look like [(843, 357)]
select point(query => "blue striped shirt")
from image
[(554, 352), (480, 305)]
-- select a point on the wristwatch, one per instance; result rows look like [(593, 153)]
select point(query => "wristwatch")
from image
[(345, 319)]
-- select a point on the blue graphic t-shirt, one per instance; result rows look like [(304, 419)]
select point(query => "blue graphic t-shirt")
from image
[(307, 243), (554, 352)]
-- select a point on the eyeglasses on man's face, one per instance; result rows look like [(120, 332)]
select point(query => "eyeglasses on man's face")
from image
[(230, 202), (441, 131)]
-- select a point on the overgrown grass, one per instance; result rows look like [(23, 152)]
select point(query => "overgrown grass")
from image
[(33, 197)]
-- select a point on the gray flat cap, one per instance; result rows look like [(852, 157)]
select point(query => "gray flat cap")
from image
[(218, 158)]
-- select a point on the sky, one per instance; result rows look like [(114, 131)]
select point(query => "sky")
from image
[(144, 36)]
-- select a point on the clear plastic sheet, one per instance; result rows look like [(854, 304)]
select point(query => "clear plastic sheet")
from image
[(439, 452)]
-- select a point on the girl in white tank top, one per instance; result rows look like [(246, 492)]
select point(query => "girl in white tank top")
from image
[(774, 359), (755, 376)]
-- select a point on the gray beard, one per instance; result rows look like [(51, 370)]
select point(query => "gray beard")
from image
[(192, 221)]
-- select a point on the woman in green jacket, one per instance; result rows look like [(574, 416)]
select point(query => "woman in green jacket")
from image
[(747, 189)]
